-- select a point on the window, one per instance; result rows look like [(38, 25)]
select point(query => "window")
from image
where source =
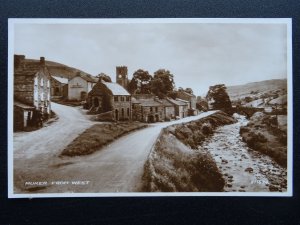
[(35, 81), (156, 109), (122, 99), (116, 98), (127, 99), (151, 109), (128, 112), (122, 113)]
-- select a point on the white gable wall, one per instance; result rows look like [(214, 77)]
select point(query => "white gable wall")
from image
[(77, 85)]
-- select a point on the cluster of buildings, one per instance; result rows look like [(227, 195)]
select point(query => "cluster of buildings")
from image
[(35, 85), (114, 97)]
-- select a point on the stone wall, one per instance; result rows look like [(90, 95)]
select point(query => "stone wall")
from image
[(152, 114), (169, 112), (23, 88), (122, 106)]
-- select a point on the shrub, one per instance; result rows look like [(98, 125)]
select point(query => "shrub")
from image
[(206, 129)]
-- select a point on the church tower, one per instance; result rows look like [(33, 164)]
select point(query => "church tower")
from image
[(122, 76)]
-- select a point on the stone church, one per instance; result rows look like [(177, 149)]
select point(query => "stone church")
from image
[(110, 97)]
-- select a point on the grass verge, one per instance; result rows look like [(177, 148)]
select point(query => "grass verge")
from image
[(99, 135), (175, 164)]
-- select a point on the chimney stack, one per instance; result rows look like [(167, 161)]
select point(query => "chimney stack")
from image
[(42, 61), (18, 59)]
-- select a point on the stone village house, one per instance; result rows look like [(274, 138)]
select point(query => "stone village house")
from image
[(190, 98), (147, 108), (110, 97), (59, 87), (181, 107), (31, 92)]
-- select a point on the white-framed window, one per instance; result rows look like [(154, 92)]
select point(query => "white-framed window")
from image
[(36, 81)]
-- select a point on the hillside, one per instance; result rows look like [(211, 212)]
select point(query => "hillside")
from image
[(261, 87), (58, 69), (259, 94)]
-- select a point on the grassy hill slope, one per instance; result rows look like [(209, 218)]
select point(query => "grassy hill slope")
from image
[(261, 87)]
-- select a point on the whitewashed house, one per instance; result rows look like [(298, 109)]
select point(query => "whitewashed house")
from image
[(80, 85), (31, 91)]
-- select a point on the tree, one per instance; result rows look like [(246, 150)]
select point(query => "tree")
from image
[(201, 104), (140, 81), (218, 98), (189, 90), (132, 86), (157, 86), (173, 94), (104, 77), (162, 83)]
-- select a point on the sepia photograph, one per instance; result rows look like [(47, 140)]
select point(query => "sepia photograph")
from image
[(149, 107)]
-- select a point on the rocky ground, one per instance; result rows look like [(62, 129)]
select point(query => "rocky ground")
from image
[(243, 169), (176, 165)]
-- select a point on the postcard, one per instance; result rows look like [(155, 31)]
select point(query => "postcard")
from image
[(150, 107)]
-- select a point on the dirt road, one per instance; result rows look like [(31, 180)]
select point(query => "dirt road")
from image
[(54, 137), (117, 167)]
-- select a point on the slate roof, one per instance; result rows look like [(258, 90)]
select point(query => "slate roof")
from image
[(149, 102), (186, 93), (134, 101), (115, 88), (165, 102), (182, 100), (177, 102), (61, 80), (23, 106)]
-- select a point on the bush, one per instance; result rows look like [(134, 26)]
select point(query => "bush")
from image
[(261, 134), (206, 129)]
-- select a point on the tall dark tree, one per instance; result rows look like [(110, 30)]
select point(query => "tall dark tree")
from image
[(104, 77), (201, 104), (173, 94), (140, 81), (218, 98), (132, 86), (162, 83), (157, 87)]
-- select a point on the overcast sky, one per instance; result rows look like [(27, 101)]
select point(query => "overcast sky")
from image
[(197, 54)]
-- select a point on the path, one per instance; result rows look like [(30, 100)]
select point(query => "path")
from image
[(117, 167), (60, 133)]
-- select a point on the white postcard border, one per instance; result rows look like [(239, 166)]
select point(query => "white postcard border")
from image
[(287, 21)]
